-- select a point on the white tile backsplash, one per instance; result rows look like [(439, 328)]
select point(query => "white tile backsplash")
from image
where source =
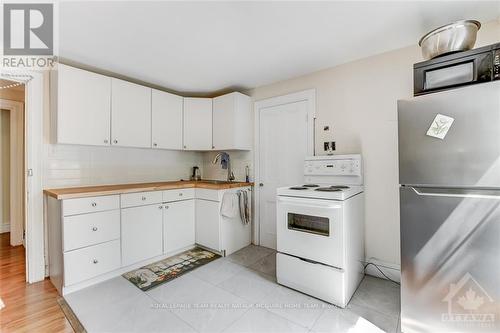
[(72, 165)]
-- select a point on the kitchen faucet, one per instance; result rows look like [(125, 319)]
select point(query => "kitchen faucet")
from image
[(225, 163)]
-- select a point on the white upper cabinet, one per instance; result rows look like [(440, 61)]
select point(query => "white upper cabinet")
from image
[(198, 123), (130, 114), (232, 122), (166, 120), (82, 101)]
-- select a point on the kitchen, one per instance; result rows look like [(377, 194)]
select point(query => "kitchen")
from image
[(366, 125)]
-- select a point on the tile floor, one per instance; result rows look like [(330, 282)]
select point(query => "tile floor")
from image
[(234, 294)]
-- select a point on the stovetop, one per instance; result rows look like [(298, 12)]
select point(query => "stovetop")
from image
[(321, 191)]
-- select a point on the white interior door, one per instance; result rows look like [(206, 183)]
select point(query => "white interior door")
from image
[(285, 139)]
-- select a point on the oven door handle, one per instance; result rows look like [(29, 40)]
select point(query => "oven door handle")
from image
[(308, 203)]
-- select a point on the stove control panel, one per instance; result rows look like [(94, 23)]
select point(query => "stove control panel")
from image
[(332, 167)]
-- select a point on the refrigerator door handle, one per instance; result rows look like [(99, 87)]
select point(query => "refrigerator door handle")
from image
[(456, 192)]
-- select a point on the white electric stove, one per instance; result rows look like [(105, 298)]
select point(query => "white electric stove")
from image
[(320, 229)]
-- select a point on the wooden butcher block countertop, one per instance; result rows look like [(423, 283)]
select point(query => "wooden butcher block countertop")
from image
[(92, 191)]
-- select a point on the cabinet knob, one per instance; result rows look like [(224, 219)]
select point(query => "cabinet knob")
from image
[(166, 207), (93, 204), (185, 147), (155, 144), (106, 141), (95, 261), (213, 147), (115, 141), (180, 194), (160, 207), (94, 228), (143, 198), (261, 184)]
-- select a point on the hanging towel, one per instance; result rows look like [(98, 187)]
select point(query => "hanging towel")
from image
[(244, 206), (230, 205)]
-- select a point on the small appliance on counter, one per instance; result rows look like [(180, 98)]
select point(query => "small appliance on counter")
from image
[(195, 175), (320, 229)]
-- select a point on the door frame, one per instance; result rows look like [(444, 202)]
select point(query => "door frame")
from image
[(308, 95), (34, 105), (16, 110)]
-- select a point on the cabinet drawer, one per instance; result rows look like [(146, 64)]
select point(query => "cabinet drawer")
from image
[(83, 264), (140, 199), (206, 194), (90, 205), (90, 229), (176, 195)]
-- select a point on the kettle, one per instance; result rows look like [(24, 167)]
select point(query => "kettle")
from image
[(195, 173)]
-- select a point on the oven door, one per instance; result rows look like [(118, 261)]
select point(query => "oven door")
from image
[(310, 229)]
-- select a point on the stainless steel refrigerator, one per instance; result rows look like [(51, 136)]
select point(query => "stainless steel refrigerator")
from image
[(449, 174)]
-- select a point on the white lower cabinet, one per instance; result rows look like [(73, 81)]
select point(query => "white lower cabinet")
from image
[(91, 261), (178, 225), (142, 233), (207, 224)]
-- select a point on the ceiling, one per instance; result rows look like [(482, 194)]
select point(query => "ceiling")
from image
[(206, 47)]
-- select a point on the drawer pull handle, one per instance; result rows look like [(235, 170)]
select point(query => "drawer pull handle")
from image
[(94, 228), (95, 261), (143, 198), (94, 204)]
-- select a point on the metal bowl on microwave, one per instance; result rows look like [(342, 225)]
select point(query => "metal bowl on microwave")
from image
[(450, 38)]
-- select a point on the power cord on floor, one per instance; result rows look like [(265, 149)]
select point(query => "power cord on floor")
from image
[(388, 278)]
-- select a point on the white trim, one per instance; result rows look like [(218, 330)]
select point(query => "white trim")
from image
[(34, 110), (16, 176), (4, 227), (393, 271), (306, 95)]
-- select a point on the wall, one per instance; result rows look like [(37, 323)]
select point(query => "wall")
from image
[(4, 169), (358, 101)]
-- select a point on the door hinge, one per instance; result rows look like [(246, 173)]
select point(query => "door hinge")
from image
[(30, 172), (24, 234)]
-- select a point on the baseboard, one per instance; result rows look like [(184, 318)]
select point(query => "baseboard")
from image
[(4, 227), (393, 271)]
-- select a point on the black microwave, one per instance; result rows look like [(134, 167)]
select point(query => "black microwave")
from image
[(458, 69)]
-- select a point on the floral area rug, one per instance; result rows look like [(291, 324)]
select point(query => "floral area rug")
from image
[(162, 271)]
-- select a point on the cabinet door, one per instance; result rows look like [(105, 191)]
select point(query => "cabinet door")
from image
[(232, 122), (141, 233), (166, 120), (207, 224), (178, 225), (198, 123), (130, 114), (83, 106)]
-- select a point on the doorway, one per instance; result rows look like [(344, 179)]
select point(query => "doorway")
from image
[(12, 185), (26, 194), (284, 134)]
